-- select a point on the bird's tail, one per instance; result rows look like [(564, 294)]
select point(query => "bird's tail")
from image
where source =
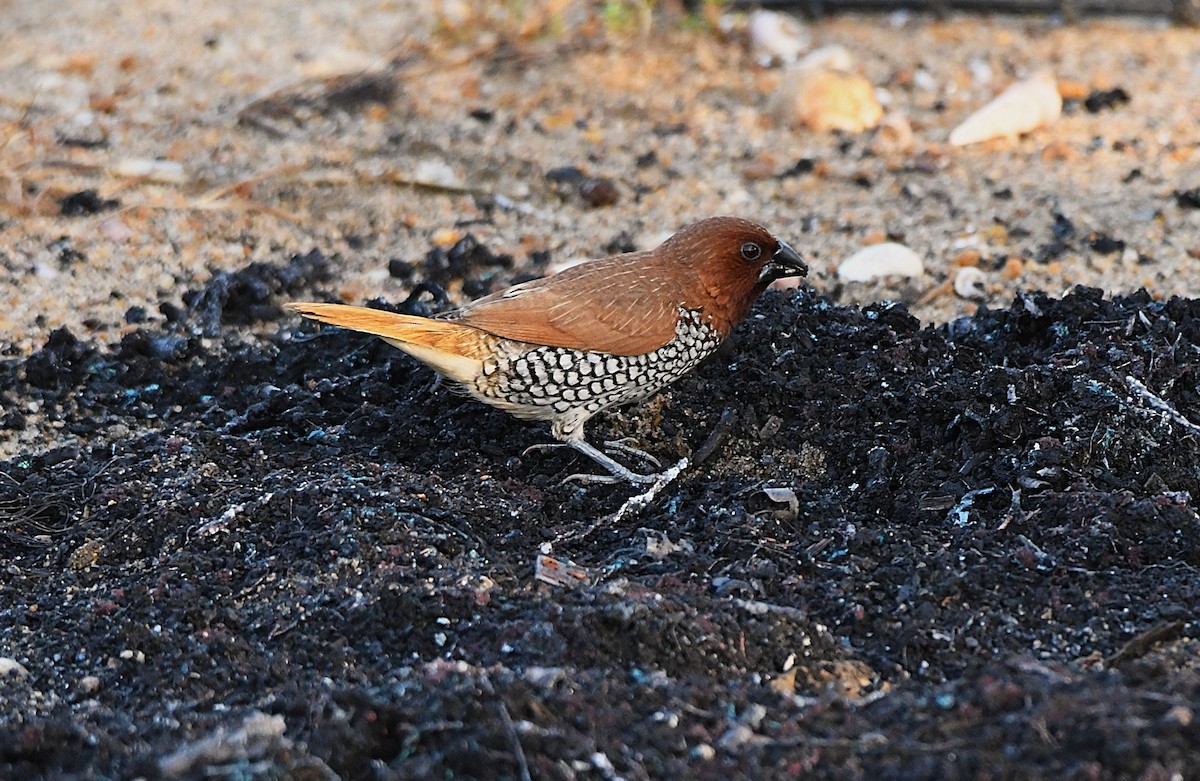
[(453, 349)]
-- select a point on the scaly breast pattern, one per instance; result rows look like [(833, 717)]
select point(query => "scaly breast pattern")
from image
[(569, 386)]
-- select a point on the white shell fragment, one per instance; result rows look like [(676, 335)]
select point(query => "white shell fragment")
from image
[(881, 260), (165, 171), (828, 58), (777, 38), (436, 173), (970, 282), (1025, 106)]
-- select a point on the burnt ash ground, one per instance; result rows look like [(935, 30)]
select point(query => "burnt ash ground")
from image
[(990, 569)]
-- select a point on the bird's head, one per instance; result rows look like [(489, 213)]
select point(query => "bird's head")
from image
[(733, 261)]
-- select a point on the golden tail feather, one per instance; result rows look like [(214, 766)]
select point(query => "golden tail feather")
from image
[(453, 349)]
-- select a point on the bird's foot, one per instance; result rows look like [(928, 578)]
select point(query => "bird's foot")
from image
[(611, 444), (629, 450), (618, 473)]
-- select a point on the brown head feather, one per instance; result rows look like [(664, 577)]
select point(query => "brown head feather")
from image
[(726, 283)]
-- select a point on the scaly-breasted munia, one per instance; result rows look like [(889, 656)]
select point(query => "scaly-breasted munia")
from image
[(597, 335)]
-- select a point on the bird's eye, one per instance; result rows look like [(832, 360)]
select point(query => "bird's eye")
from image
[(751, 251)]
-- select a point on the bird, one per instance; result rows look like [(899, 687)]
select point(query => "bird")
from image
[(598, 335)]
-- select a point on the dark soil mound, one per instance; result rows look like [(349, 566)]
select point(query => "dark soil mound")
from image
[(987, 566)]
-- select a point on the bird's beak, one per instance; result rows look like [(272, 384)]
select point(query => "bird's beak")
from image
[(786, 262)]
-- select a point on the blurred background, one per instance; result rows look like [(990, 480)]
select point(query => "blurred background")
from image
[(942, 155)]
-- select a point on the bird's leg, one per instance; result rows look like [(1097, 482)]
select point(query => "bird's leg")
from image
[(618, 472), (611, 444), (629, 450)]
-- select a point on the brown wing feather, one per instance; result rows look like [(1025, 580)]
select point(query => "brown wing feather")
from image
[(624, 305)]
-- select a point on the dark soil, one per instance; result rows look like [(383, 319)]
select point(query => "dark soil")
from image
[(990, 568)]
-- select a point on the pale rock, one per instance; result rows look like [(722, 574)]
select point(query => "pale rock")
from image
[(833, 57), (981, 71), (777, 38), (827, 100), (436, 173), (336, 61), (924, 80), (1023, 107), (163, 171), (114, 229), (881, 260)]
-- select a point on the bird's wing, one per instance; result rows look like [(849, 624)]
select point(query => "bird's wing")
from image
[(624, 305)]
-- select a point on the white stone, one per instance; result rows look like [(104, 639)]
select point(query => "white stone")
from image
[(165, 171), (437, 173), (777, 38), (1025, 106), (881, 260), (833, 57)]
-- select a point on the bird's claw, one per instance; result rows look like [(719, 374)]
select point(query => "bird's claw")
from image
[(629, 450), (587, 479), (542, 446), (617, 472), (626, 475)]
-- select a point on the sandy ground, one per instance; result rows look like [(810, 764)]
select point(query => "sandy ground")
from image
[(90, 91)]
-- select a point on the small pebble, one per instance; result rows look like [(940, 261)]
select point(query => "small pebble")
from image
[(827, 101), (924, 80), (598, 193), (566, 175), (85, 202), (777, 38), (894, 135), (163, 171), (981, 71), (881, 260), (968, 257), (1188, 199), (1104, 244), (1180, 715), (437, 173), (1099, 100), (828, 58), (399, 268)]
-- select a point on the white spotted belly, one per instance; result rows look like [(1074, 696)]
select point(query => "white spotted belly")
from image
[(569, 386)]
